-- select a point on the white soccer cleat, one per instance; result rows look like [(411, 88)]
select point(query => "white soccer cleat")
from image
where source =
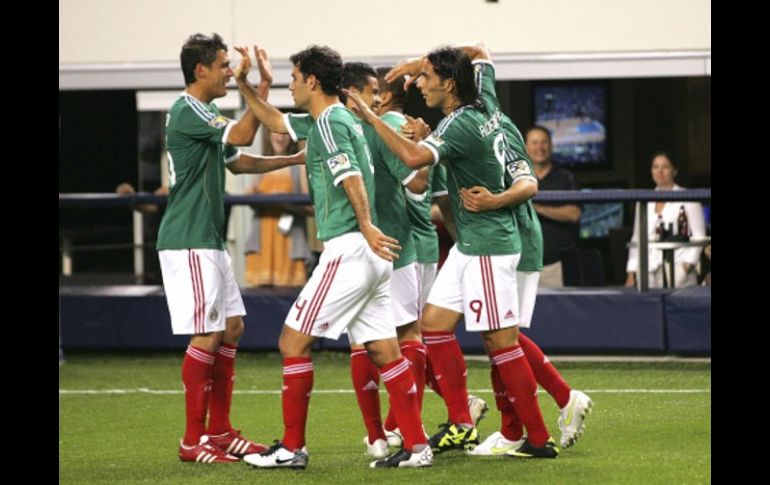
[(406, 459), (572, 416), (394, 437), (496, 444), (378, 449), (278, 456), (478, 408)]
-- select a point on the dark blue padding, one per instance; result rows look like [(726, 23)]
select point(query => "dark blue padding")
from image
[(568, 319), (688, 319)]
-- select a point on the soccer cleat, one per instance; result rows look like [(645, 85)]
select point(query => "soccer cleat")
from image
[(572, 416), (205, 452), (378, 449), (496, 444), (528, 451), (406, 459), (453, 436), (394, 437), (478, 408), (278, 456), (235, 444)]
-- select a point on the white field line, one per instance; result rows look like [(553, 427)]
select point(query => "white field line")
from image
[(144, 390)]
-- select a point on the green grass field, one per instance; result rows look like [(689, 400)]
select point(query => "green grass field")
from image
[(651, 424)]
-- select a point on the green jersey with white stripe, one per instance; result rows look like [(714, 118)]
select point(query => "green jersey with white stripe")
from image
[(195, 215), (471, 144), (390, 175), (418, 206), (518, 166), (336, 149)]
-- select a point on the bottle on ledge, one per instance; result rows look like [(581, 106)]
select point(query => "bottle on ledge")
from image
[(659, 228), (683, 227)]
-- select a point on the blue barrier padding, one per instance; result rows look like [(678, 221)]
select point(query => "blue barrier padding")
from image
[(688, 319), (568, 319)]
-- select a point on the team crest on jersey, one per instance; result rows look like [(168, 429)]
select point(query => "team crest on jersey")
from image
[(435, 140), (518, 169), (338, 163), (213, 315), (218, 122)]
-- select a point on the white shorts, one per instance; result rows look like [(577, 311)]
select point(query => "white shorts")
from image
[(526, 284), (201, 291), (426, 276), (348, 290), (482, 288), (404, 297)]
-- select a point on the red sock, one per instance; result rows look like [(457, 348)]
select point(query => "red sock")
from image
[(197, 369), (430, 377), (297, 384), (415, 353), (545, 372), (510, 424), (366, 381), (403, 400), (222, 391), (449, 368), (522, 389)]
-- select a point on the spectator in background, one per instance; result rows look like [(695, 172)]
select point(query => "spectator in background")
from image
[(277, 246), (559, 221), (685, 259)]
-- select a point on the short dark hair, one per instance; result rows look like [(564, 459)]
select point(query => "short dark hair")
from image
[(451, 63), (396, 87), (324, 63), (199, 48), (356, 74), (539, 128), (662, 153)]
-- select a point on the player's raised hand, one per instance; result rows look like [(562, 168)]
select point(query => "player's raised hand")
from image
[(360, 106), (410, 68), (382, 245), (242, 71), (478, 199), (264, 66)]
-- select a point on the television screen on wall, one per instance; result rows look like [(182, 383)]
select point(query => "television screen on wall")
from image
[(576, 115)]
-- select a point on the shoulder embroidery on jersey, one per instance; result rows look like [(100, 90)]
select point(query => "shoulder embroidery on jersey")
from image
[(218, 122), (338, 163)]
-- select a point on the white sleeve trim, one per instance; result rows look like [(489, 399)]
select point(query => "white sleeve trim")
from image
[(234, 157), (440, 193), (483, 61), (525, 177), (432, 149), (416, 197), (227, 131), (286, 122), (409, 177), (346, 175)]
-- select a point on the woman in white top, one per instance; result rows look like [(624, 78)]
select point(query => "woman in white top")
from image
[(685, 259)]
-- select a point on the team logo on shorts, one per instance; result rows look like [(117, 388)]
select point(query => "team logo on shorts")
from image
[(324, 326), (338, 162), (213, 315), (508, 315), (218, 122)]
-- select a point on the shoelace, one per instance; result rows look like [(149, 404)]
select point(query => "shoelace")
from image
[(276, 444)]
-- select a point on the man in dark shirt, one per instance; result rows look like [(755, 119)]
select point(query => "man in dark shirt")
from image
[(559, 221)]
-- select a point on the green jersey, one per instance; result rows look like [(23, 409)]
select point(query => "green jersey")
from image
[(471, 143), (197, 153), (390, 175), (418, 206), (336, 149), (518, 166)]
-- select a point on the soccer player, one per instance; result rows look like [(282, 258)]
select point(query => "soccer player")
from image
[(574, 405), (391, 178), (201, 292), (478, 280), (350, 288)]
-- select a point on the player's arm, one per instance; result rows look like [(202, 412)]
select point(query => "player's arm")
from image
[(446, 215), (258, 106), (419, 183), (412, 154), (242, 133), (381, 244), (248, 163), (479, 199), (477, 52)]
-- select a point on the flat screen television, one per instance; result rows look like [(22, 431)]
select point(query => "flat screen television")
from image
[(576, 115), (596, 219)]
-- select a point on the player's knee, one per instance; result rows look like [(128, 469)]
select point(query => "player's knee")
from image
[(234, 328), (500, 339)]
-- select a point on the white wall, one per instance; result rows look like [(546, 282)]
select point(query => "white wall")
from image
[(145, 31)]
